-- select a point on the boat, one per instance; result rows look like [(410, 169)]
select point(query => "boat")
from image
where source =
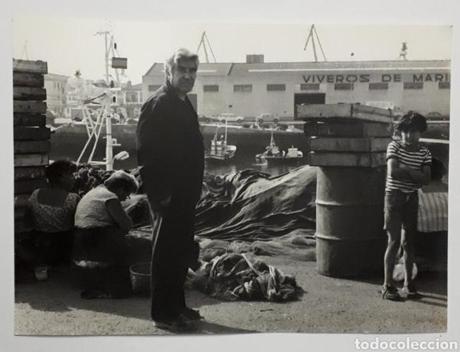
[(220, 150), (274, 155)]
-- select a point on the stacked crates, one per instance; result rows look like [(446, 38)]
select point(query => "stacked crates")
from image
[(31, 136), (348, 144)]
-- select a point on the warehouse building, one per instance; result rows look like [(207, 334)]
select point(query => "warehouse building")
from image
[(256, 87)]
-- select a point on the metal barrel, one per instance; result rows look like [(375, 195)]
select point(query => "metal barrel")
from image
[(350, 240)]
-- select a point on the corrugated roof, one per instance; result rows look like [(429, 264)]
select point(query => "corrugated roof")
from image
[(205, 69), (237, 69)]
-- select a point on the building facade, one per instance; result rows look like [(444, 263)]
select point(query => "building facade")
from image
[(55, 86), (276, 88)]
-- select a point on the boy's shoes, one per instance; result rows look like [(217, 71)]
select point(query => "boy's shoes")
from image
[(179, 324), (191, 314), (391, 293), (410, 291)]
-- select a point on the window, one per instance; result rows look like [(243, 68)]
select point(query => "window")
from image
[(276, 87), (131, 97), (343, 86), (154, 87), (413, 85), (210, 88), (444, 85), (242, 88), (378, 86), (309, 86)]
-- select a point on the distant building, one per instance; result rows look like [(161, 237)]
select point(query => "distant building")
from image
[(276, 88), (55, 86), (131, 98)]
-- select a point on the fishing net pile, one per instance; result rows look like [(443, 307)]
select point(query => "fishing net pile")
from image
[(233, 276)]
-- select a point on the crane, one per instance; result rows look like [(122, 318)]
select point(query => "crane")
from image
[(204, 42), (311, 36)]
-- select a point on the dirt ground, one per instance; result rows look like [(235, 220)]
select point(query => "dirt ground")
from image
[(328, 305)]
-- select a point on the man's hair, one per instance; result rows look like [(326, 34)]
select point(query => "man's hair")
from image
[(122, 180), (178, 55), (59, 168), (411, 121)]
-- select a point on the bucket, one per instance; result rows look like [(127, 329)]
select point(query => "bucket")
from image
[(139, 274), (350, 240)]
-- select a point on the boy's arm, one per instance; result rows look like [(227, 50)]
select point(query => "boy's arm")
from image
[(401, 172)]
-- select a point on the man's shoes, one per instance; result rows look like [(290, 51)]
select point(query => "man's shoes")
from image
[(410, 291), (179, 324), (191, 314), (391, 293)]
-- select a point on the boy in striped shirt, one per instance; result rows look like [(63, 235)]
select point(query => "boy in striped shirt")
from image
[(408, 168)]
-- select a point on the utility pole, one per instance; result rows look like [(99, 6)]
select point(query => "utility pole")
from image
[(107, 53), (314, 37)]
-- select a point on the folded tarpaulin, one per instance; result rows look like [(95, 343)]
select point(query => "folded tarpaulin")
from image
[(249, 205)]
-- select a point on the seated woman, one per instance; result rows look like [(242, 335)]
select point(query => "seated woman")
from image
[(52, 209), (100, 248)]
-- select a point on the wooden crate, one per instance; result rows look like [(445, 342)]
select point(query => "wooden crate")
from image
[(29, 93), (28, 186), (26, 79), (347, 159), (323, 144), (28, 147), (31, 160), (29, 106), (29, 173), (31, 133), (354, 112), (30, 66), (23, 119), (347, 129)]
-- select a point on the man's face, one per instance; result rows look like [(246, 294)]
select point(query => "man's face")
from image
[(183, 76)]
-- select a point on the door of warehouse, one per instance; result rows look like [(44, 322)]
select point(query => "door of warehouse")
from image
[(308, 98)]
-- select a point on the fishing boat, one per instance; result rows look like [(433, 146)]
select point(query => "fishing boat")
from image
[(220, 150), (274, 155)]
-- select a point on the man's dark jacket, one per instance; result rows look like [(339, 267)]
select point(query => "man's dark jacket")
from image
[(170, 147)]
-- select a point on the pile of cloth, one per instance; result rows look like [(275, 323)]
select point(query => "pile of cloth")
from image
[(233, 276)]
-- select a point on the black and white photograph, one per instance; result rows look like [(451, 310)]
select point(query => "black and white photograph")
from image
[(196, 177)]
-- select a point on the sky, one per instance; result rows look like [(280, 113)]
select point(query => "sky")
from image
[(71, 43)]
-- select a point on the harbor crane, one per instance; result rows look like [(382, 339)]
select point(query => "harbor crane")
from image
[(314, 38), (206, 45)]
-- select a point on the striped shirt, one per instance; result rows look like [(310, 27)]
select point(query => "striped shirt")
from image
[(411, 159)]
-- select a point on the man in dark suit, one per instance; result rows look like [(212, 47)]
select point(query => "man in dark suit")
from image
[(171, 153)]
